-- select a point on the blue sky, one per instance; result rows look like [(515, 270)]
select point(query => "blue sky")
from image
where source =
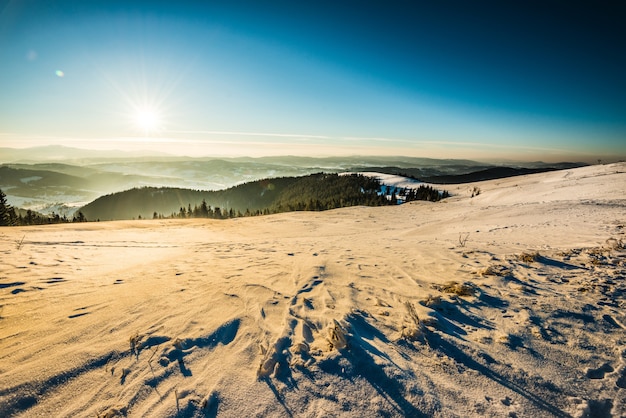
[(521, 80)]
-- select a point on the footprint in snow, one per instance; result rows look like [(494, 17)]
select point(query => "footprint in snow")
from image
[(600, 371)]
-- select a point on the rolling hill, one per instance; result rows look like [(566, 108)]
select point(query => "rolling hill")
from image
[(313, 192)]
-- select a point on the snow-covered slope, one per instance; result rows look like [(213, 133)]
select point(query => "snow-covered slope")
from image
[(509, 303)]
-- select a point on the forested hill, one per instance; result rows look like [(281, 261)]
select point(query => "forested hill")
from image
[(313, 192), (487, 174), (459, 176)]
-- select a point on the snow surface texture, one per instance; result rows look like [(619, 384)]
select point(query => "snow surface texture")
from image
[(510, 303)]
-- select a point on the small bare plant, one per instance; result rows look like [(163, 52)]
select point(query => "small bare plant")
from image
[(20, 243), (125, 373), (178, 344), (463, 237), (475, 191), (135, 343)]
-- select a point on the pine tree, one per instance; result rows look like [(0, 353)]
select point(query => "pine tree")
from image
[(5, 211), (80, 217), (204, 209)]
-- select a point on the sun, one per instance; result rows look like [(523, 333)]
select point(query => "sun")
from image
[(147, 120)]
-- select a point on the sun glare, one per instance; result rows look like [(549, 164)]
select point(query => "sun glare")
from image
[(147, 120)]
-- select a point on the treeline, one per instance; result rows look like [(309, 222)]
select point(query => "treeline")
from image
[(422, 193), (330, 191), (203, 211), (315, 192), (10, 216)]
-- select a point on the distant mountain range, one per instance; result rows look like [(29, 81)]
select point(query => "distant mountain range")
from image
[(72, 155), (61, 179)]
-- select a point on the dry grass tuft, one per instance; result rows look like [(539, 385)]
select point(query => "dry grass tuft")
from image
[(459, 289), (494, 270), (337, 336), (412, 328), (431, 301), (504, 338), (528, 257), (596, 251), (113, 412)]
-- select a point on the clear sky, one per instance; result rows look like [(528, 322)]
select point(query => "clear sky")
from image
[(526, 80)]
